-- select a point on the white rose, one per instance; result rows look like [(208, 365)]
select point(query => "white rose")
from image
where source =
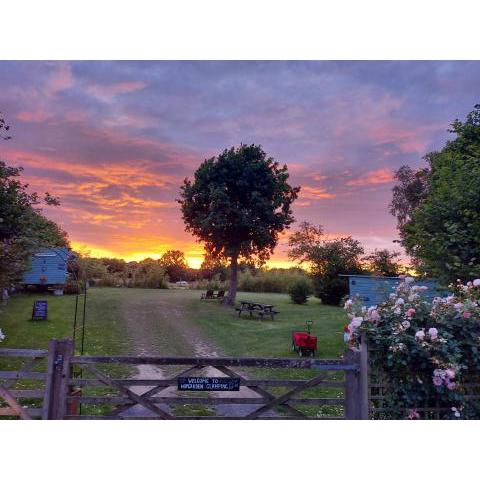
[(420, 335), (356, 322), (409, 279), (476, 282), (433, 332)]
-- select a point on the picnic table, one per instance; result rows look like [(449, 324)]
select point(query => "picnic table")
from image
[(254, 307)]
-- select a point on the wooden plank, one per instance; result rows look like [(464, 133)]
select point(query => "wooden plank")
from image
[(18, 375), (351, 388), (14, 405), (364, 391), (213, 417), (133, 396), (173, 382), (118, 400), (27, 393), (47, 398), (56, 404), (309, 363), (32, 412), (21, 352)]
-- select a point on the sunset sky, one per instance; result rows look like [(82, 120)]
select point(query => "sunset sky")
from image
[(114, 140)]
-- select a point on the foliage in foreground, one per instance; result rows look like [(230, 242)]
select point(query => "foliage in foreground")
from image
[(438, 206), (429, 353)]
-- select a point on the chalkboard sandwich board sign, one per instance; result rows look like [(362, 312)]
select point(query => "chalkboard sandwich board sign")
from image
[(224, 384), (40, 309)]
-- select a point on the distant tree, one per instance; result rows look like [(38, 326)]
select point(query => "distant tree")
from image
[(439, 223), (409, 191), (383, 263), (23, 228), (114, 265), (174, 263), (238, 204), (4, 128), (327, 260), (212, 267)]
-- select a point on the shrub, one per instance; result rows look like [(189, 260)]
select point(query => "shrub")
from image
[(275, 280), (428, 351), (300, 291), (215, 283), (330, 289)]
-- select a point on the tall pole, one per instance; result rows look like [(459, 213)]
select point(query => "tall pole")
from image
[(84, 312)]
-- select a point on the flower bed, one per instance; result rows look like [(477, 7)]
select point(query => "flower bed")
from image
[(424, 357)]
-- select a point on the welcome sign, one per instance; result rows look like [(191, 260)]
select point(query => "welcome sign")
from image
[(225, 384)]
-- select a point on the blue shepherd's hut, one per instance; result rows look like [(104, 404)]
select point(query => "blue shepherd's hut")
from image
[(374, 290), (48, 268)]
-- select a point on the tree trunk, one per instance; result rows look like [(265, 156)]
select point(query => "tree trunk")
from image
[(232, 289)]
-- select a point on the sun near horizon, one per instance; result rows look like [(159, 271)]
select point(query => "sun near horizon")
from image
[(193, 257)]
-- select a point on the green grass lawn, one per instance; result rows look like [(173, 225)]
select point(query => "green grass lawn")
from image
[(104, 328), (245, 336), (170, 322), (107, 309)]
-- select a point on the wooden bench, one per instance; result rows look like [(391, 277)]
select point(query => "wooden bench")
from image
[(258, 308), (210, 295)]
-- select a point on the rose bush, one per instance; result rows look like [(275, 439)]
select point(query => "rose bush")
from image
[(428, 352)]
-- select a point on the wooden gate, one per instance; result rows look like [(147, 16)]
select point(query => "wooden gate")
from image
[(22, 386), (107, 387)]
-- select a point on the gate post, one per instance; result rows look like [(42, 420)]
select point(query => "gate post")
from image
[(363, 380), (352, 396), (60, 353)]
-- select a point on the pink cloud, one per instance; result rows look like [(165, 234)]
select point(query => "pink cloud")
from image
[(37, 115), (60, 79), (315, 193), (375, 177), (108, 92)]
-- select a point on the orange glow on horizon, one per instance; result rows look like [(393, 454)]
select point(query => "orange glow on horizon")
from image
[(194, 256)]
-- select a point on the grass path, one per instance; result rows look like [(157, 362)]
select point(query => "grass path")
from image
[(174, 323)]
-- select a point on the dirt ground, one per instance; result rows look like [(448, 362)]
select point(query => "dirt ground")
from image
[(160, 325)]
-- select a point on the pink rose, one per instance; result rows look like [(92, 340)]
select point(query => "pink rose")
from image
[(451, 385), (467, 314), (437, 381), (413, 414), (450, 373), (433, 332), (420, 335), (410, 312)]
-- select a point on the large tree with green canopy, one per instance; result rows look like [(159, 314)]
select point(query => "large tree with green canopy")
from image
[(237, 205), (438, 206)]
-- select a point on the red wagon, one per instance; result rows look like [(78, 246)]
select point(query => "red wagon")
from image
[(303, 343)]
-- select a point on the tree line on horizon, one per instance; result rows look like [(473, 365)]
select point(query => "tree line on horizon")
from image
[(239, 202)]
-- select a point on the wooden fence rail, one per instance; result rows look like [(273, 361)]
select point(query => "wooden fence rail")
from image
[(333, 389)]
